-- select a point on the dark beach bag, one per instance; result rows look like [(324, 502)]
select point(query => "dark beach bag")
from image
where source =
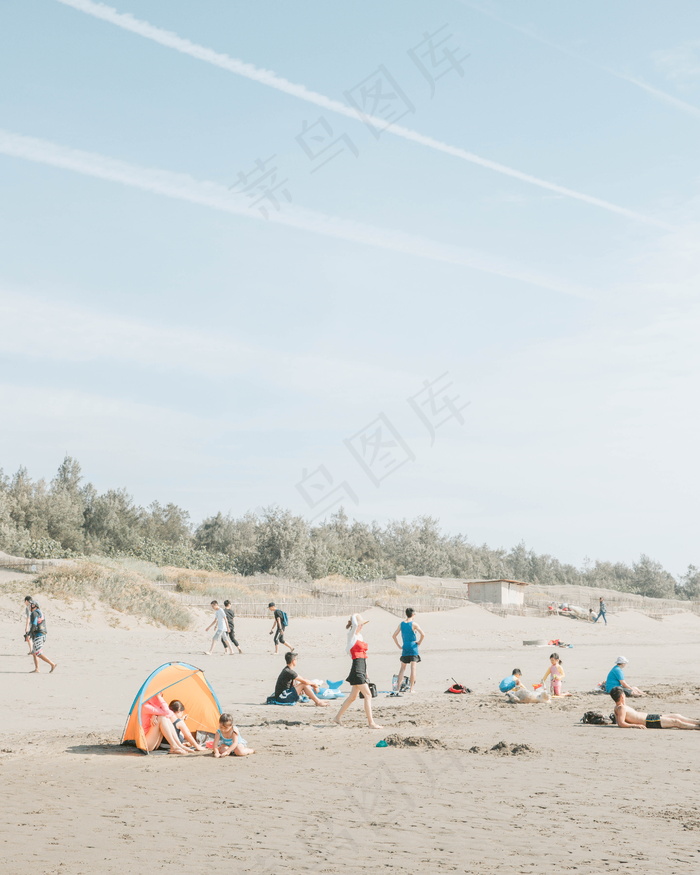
[(372, 689)]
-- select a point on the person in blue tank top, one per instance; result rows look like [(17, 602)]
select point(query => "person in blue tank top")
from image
[(411, 638)]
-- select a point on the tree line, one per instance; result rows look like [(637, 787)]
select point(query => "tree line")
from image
[(68, 517)]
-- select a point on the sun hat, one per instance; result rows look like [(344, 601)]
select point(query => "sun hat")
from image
[(620, 660)]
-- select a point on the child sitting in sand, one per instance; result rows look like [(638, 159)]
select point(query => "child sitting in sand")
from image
[(556, 674), (183, 733), (512, 682), (228, 739)]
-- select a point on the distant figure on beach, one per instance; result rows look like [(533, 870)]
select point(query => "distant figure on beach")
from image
[(27, 614), (157, 724), (37, 633), (628, 718), (601, 611), (290, 686), (556, 674), (411, 637), (512, 682), (279, 624), (357, 648), (616, 678), (221, 631), (230, 617), (228, 740)]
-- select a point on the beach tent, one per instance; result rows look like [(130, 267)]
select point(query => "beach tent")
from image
[(175, 680)]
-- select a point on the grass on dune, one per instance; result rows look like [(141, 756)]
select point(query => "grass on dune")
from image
[(122, 590)]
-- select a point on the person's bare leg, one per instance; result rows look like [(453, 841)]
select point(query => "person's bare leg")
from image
[(309, 691), (368, 707), (413, 676), (36, 662), (170, 734), (354, 693), (46, 659), (211, 649), (678, 721), (241, 751)]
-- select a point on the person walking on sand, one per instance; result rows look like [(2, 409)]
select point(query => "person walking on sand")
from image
[(37, 632), (357, 648), (628, 718), (279, 624), (412, 637), (601, 611), (27, 614), (230, 617), (220, 633)]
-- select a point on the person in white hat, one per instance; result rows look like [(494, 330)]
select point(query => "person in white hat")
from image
[(616, 678)]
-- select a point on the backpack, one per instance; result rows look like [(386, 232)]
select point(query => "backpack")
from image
[(284, 619), (39, 626), (597, 718)]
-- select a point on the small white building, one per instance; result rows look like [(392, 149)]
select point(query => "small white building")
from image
[(498, 592)]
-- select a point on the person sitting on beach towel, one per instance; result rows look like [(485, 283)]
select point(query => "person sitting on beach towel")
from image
[(290, 686), (628, 718)]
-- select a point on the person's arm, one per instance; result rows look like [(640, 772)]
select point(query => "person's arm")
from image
[(189, 738), (420, 632), (230, 747), (547, 674), (562, 673), (210, 625), (305, 682), (395, 636), (620, 715)]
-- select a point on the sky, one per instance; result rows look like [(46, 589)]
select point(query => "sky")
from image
[(412, 259)]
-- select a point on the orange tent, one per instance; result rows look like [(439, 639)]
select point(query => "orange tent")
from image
[(175, 680)]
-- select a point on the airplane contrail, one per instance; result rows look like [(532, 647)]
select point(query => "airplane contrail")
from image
[(272, 80), (633, 80), (181, 186)]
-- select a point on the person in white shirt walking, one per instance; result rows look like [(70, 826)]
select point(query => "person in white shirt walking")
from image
[(221, 631)]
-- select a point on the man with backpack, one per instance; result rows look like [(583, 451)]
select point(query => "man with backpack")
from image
[(278, 626), (37, 632)]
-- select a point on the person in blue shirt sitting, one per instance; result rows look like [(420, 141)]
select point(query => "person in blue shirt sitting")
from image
[(616, 678)]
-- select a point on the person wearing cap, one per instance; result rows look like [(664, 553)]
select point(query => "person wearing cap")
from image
[(616, 678)]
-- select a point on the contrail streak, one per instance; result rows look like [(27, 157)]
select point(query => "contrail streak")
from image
[(655, 92), (210, 194), (272, 80)]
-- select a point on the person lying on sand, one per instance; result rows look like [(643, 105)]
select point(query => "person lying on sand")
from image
[(228, 739), (616, 678), (290, 686), (628, 718)]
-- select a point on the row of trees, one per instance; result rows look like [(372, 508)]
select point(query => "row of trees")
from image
[(68, 517)]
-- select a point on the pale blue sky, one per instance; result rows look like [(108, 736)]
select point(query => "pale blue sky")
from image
[(178, 344)]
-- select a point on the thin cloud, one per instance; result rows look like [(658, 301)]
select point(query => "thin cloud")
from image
[(38, 328), (210, 194), (272, 80), (633, 80)]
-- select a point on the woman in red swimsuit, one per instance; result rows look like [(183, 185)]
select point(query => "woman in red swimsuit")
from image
[(357, 648)]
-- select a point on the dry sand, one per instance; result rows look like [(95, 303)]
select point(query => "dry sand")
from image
[(557, 796)]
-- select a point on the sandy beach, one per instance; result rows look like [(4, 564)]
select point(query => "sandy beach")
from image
[(324, 799)]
